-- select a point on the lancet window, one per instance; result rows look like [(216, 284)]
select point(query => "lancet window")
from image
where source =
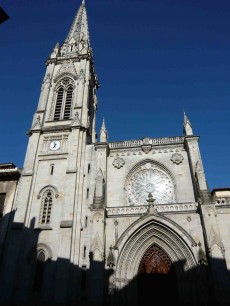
[(63, 100), (63, 103), (46, 207)]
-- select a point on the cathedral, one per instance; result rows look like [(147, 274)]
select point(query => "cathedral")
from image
[(92, 222)]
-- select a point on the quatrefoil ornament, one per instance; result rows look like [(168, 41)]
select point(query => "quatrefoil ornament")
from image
[(118, 162), (177, 158)]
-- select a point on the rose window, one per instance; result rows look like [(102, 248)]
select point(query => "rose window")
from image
[(150, 181)]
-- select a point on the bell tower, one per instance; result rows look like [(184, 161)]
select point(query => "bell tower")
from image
[(64, 122), (52, 186)]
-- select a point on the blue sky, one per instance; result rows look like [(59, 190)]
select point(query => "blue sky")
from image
[(154, 59)]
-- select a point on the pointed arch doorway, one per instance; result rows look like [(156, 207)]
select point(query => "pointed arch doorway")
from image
[(157, 281)]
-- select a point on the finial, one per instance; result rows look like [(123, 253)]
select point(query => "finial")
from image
[(103, 132), (83, 2), (187, 126), (185, 117), (150, 198)]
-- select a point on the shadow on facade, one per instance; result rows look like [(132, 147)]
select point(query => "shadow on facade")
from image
[(30, 278)]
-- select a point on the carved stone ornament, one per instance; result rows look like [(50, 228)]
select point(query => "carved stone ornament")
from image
[(177, 158), (146, 148), (37, 123), (66, 68), (76, 120), (118, 162)]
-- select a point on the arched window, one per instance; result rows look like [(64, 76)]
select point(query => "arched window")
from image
[(68, 103), (39, 271), (41, 262), (46, 207), (63, 103), (57, 113)]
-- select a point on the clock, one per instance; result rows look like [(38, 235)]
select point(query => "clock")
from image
[(55, 145)]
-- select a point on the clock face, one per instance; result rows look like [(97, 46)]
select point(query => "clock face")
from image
[(150, 181), (55, 145)]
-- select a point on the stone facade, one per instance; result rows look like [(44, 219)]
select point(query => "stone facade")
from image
[(95, 220), (9, 177)]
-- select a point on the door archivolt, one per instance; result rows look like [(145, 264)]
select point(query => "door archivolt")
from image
[(154, 241)]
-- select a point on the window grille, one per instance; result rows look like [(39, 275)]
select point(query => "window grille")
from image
[(63, 103), (68, 103), (46, 207), (57, 113)]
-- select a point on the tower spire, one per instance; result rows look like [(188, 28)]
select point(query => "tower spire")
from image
[(187, 126), (79, 28), (77, 41)]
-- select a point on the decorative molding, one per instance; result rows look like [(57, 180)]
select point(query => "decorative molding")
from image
[(118, 162), (153, 141), (177, 158), (67, 68), (53, 188), (138, 151), (125, 211), (222, 202)]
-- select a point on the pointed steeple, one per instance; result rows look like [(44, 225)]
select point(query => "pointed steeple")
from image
[(187, 126), (77, 40), (103, 133)]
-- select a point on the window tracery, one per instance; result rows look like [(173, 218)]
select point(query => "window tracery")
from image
[(46, 207), (150, 179), (63, 100)]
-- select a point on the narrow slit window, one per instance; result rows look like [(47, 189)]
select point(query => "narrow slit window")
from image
[(86, 221), (88, 168), (87, 193), (51, 169), (84, 253)]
